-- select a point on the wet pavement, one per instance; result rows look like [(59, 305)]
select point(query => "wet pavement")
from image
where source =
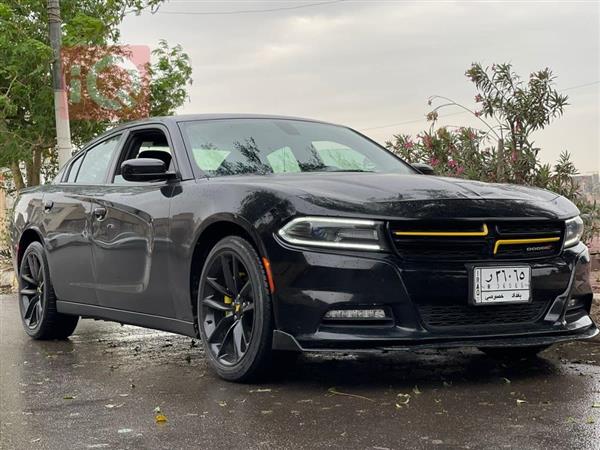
[(100, 390)]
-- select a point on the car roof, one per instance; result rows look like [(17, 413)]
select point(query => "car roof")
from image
[(193, 117)]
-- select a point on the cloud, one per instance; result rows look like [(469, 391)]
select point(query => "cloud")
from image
[(368, 64)]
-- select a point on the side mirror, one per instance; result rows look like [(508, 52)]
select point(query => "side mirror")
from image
[(145, 169), (425, 169)]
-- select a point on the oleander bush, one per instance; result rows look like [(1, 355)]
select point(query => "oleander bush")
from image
[(509, 111)]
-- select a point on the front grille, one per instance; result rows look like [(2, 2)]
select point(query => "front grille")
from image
[(473, 240), (549, 228), (445, 316)]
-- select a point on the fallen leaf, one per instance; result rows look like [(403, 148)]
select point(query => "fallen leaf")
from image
[(596, 405), (590, 420), (519, 401), (125, 430), (266, 412), (69, 397), (33, 441), (160, 418), (416, 390), (222, 403), (506, 380), (259, 390), (333, 391), (109, 406), (403, 399)]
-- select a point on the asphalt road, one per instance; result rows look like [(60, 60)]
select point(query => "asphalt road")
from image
[(100, 390)]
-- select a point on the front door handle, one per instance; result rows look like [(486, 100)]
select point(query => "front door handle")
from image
[(48, 205), (99, 213)]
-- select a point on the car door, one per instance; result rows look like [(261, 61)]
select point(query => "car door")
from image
[(130, 231), (66, 227)]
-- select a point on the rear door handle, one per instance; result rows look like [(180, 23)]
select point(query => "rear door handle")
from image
[(48, 205), (99, 213)]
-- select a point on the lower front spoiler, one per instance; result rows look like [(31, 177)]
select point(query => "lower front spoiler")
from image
[(285, 341)]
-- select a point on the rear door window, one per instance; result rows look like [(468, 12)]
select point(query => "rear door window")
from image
[(74, 169)]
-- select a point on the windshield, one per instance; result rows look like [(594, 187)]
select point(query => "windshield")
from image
[(266, 146)]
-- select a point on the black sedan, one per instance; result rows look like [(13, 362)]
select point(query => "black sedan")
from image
[(267, 236)]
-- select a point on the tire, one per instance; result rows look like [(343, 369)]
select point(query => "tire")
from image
[(228, 304), (514, 353), (37, 300)]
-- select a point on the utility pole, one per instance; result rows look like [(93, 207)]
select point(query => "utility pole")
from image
[(61, 109)]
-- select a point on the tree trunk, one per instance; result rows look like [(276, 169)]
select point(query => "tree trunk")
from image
[(500, 161), (17, 176), (35, 168), (29, 172)]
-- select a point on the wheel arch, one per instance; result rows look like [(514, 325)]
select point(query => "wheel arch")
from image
[(27, 237), (213, 230)]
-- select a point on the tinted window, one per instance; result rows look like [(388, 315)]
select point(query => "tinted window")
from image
[(96, 161), (74, 169), (264, 146), (145, 144)]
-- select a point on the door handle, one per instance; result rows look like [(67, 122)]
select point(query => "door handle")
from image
[(99, 213), (48, 205)]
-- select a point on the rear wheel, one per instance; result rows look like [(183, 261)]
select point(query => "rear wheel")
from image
[(514, 353), (234, 311), (37, 301)]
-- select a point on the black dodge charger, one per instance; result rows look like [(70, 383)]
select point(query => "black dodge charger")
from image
[(267, 236)]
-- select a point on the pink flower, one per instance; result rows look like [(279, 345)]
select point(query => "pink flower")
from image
[(513, 156), (434, 162), (452, 163), (460, 170), (477, 113), (478, 98), (408, 144)]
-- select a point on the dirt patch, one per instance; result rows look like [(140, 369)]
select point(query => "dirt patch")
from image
[(7, 277)]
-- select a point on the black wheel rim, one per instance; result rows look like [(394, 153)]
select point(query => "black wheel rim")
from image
[(227, 308), (32, 288)]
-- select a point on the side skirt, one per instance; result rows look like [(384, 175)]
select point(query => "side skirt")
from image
[(128, 317)]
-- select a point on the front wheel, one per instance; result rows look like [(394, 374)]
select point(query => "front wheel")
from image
[(234, 311), (37, 301), (514, 353)]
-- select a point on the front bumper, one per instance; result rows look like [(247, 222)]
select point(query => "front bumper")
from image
[(310, 283)]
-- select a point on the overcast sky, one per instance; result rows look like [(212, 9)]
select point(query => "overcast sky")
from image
[(373, 64)]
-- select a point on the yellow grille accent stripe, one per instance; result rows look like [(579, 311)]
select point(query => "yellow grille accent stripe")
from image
[(523, 241), (484, 232)]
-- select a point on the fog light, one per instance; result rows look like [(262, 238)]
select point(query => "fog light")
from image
[(575, 303), (350, 314)]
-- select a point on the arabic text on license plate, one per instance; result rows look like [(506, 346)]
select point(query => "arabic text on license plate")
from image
[(501, 284)]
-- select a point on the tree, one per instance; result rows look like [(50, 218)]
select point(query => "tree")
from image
[(27, 133), (502, 150)]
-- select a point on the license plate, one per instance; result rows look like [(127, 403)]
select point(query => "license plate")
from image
[(511, 284)]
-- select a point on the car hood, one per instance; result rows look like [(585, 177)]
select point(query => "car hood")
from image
[(419, 196), (384, 187)]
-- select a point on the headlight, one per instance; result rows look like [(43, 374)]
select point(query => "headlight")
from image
[(573, 231), (351, 234)]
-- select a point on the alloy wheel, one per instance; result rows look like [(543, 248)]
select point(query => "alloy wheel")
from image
[(32, 289), (227, 308)]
